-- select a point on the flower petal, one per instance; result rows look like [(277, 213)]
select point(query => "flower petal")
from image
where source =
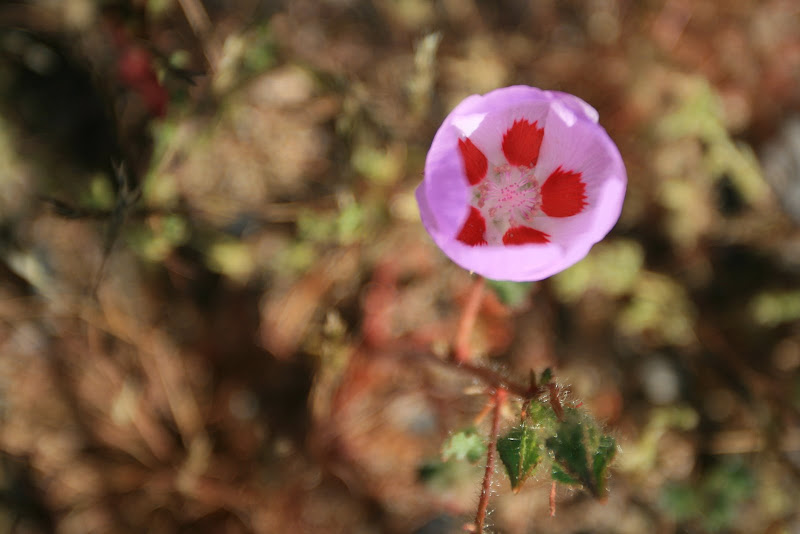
[(425, 212), (575, 105), (584, 148), (447, 194), (527, 262), (475, 164), (473, 233), (563, 194), (521, 143), (524, 235)]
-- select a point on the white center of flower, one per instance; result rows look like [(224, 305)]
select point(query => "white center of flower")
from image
[(508, 196)]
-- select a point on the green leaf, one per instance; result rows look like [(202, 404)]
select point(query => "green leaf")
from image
[(543, 418), (603, 456), (581, 454), (464, 445), (520, 453), (513, 294), (569, 452), (547, 376), (560, 476)]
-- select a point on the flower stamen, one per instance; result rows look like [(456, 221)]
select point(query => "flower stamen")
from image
[(509, 196)]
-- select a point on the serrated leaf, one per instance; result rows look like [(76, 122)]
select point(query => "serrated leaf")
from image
[(543, 416), (464, 445), (606, 450), (569, 452), (559, 475), (581, 454), (520, 452)]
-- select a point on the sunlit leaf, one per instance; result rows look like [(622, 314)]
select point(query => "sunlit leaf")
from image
[(520, 453)]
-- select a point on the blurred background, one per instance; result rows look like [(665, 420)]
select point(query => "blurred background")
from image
[(211, 251)]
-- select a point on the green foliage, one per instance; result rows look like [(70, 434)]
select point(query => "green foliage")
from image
[(244, 55), (643, 455), (420, 84), (520, 451), (100, 194), (700, 116), (574, 451), (155, 242), (776, 307), (259, 55), (442, 475), (611, 267), (232, 258), (344, 227), (513, 294), (159, 188), (547, 376), (715, 500), (601, 459), (569, 453), (659, 308), (297, 258), (581, 454), (466, 444), (681, 502), (541, 415), (379, 165)]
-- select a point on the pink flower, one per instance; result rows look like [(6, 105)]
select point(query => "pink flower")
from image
[(520, 183)]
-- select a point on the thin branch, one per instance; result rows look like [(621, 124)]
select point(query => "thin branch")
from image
[(484, 375), (480, 519)]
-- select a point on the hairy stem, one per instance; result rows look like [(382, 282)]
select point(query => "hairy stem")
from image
[(486, 489), (467, 321), (488, 377)]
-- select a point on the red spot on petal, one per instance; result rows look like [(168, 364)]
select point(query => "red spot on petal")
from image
[(475, 164), (474, 230), (521, 143), (524, 235), (563, 194)]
